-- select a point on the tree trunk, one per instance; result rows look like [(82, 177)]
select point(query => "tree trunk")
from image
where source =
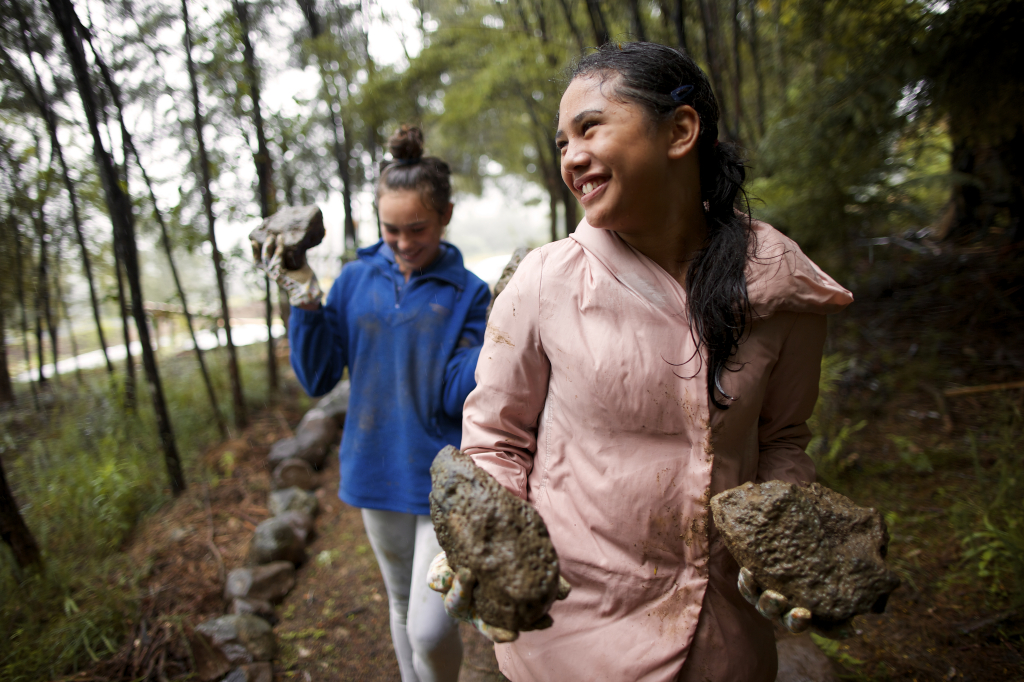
[(567, 13), (570, 204), (6, 387), (165, 240), (737, 83), (597, 22), (781, 68), (713, 49), (119, 205), (62, 305), (20, 274), (755, 59), (13, 530), (42, 101), (340, 147), (679, 22), (122, 309), (264, 170), (241, 418), (636, 20)]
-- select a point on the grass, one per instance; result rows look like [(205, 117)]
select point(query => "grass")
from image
[(86, 471)]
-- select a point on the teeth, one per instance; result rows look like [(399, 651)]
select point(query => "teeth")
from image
[(589, 187)]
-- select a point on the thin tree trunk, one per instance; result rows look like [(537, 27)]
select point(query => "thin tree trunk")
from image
[(340, 147), (13, 530), (713, 49), (165, 240), (62, 305), (737, 83), (129, 362), (567, 13), (241, 418), (597, 22), (6, 387), (264, 170), (781, 68), (42, 102), (19, 271), (123, 221), (679, 23), (636, 20), (755, 59)]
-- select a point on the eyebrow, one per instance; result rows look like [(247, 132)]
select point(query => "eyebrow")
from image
[(415, 223), (579, 117)]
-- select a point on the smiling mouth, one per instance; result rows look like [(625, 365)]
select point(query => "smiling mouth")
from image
[(592, 186)]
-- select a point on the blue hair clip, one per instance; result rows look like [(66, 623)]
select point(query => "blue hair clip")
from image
[(682, 93)]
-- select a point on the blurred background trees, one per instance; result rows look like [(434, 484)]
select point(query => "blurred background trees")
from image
[(130, 174)]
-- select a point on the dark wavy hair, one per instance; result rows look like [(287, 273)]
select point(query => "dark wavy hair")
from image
[(409, 169), (645, 74)]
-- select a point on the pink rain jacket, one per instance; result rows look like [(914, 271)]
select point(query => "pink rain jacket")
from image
[(592, 405)]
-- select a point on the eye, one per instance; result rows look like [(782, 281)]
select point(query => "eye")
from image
[(560, 145), (587, 126)]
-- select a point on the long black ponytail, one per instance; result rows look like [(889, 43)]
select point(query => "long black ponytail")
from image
[(719, 308)]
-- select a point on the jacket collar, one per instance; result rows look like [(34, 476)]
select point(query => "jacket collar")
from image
[(448, 268), (779, 276)]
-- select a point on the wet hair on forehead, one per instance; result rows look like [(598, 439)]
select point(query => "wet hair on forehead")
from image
[(646, 74), (410, 170)]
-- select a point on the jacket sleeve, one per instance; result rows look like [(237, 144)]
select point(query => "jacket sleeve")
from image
[(459, 377), (789, 400), (318, 340), (499, 421)]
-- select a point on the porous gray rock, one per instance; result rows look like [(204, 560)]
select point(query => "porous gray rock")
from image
[(270, 582), (334, 405), (513, 264), (257, 607), (811, 544), (276, 540), (492, 536), (228, 641), (301, 523), (311, 442), (297, 229), (293, 473), (288, 499)]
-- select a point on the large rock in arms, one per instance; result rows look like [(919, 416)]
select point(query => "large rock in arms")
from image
[(493, 536), (810, 544), (297, 228)]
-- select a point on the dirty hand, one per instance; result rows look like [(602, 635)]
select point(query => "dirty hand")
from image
[(301, 284), (457, 589), (774, 606)]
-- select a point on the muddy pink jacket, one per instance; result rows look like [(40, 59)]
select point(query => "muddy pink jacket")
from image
[(591, 404)]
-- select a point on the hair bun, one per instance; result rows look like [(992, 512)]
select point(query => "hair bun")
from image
[(406, 144)]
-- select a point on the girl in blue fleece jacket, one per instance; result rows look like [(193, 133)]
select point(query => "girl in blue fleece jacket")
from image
[(407, 320)]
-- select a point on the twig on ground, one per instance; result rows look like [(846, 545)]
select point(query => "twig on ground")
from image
[(221, 571), (987, 388)]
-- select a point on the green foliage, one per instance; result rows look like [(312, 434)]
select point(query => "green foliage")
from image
[(990, 523), (831, 434), (85, 476)]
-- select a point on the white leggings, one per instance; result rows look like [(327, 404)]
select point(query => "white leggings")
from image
[(426, 640)]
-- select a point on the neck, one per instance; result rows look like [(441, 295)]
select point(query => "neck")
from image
[(673, 242)]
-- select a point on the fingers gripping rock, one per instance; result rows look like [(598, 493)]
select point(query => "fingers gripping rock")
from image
[(807, 547), (287, 235), (494, 539)]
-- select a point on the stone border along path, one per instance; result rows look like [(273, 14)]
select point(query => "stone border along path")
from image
[(241, 644)]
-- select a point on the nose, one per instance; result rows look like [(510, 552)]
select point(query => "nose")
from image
[(574, 158)]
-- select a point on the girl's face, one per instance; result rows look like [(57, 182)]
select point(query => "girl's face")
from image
[(411, 228), (615, 159)]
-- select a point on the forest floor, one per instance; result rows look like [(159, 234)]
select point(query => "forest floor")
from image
[(933, 465)]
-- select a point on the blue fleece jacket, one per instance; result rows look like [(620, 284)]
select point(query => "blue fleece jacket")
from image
[(410, 374)]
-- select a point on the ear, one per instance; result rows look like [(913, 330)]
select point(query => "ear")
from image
[(685, 129), (446, 215)]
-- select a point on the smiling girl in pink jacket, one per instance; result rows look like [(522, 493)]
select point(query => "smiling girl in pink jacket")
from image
[(666, 351)]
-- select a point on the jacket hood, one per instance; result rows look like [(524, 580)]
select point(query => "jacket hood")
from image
[(449, 267), (780, 278)]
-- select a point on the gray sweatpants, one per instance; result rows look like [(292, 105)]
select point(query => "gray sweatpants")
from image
[(426, 640)]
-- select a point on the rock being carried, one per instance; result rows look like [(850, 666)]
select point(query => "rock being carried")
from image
[(279, 248), (810, 545), (497, 549)]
